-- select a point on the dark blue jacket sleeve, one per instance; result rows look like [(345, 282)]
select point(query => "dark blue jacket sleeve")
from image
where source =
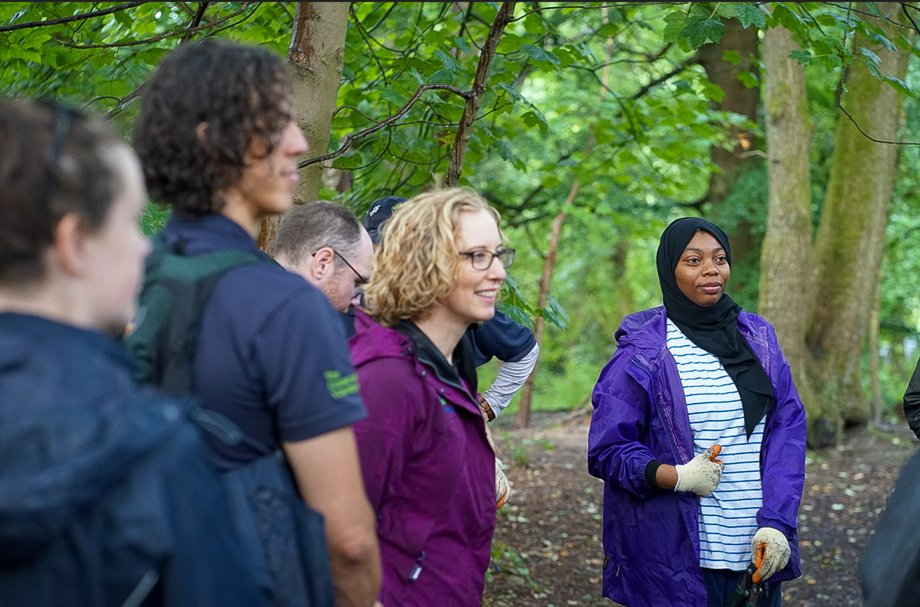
[(502, 338)]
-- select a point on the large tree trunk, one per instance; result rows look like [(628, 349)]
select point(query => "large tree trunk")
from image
[(851, 236), (785, 295), (317, 52), (740, 100)]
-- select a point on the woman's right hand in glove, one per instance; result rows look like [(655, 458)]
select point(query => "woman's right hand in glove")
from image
[(702, 474)]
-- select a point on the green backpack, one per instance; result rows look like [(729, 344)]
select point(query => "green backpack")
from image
[(163, 337)]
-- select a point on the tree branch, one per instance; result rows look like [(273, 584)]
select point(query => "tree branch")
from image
[(199, 15), (474, 102), (188, 31), (346, 144), (80, 17)]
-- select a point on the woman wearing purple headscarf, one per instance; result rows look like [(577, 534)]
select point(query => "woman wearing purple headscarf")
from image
[(692, 380)]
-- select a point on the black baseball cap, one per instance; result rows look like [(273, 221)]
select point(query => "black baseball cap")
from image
[(379, 212)]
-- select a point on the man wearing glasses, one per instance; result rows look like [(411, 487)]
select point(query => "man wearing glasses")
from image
[(327, 245)]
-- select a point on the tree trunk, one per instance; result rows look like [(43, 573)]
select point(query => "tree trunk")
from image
[(851, 236), (874, 382), (740, 100), (317, 52), (785, 297)]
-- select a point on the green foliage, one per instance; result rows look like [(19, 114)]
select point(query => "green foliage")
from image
[(638, 147)]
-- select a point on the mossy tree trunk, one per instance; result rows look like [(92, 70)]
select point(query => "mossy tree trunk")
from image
[(317, 53), (851, 234), (819, 297)]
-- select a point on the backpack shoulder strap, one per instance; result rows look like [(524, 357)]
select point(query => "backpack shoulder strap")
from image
[(175, 291)]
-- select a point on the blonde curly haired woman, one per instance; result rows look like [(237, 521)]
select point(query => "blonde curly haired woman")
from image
[(427, 464)]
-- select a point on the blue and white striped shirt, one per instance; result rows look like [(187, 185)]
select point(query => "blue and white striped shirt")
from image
[(728, 517)]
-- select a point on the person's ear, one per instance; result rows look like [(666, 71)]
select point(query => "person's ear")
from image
[(70, 240), (322, 263)]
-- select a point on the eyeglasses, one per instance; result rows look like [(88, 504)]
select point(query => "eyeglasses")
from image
[(482, 259), (361, 281)]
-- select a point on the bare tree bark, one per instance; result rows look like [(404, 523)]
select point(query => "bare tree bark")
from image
[(474, 102), (785, 295), (317, 52)]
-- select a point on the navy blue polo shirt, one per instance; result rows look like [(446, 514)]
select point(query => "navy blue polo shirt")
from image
[(502, 338), (272, 355)]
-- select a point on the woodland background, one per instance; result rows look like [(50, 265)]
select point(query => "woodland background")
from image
[(590, 126)]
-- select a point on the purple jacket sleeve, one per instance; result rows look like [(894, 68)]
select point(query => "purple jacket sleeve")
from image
[(620, 417), (783, 449)]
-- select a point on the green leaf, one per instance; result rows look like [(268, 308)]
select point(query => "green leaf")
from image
[(554, 313), (539, 54), (871, 56), (803, 57), (516, 313), (674, 24), (731, 57), (389, 94), (448, 62), (535, 118), (533, 25), (900, 86), (703, 31), (748, 14), (873, 69), (748, 80), (714, 92), (888, 44)]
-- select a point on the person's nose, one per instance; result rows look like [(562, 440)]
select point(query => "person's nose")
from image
[(298, 143), (710, 268), (497, 270)]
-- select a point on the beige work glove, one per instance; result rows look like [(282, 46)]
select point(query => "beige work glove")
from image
[(769, 552), (502, 486), (702, 474)]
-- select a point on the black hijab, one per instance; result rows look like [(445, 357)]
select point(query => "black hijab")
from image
[(714, 329)]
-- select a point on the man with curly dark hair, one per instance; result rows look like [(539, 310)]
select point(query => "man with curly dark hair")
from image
[(218, 142)]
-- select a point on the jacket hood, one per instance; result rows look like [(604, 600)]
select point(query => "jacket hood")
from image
[(72, 423), (372, 341)]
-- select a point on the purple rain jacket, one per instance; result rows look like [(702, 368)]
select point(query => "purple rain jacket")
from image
[(429, 473), (651, 537)]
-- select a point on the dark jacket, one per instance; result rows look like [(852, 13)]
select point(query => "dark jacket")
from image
[(651, 537), (107, 494), (912, 402), (428, 469)]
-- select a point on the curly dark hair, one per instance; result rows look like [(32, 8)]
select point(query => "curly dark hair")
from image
[(54, 160), (239, 92)]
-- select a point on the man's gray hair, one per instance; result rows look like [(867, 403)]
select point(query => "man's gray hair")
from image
[(315, 225)]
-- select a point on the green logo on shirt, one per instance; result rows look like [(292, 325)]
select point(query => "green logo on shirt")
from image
[(340, 387)]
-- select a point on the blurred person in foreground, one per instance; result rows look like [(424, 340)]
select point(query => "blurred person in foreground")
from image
[(218, 142), (107, 493), (697, 379), (427, 463)]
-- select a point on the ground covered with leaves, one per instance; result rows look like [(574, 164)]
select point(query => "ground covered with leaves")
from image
[(547, 546)]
